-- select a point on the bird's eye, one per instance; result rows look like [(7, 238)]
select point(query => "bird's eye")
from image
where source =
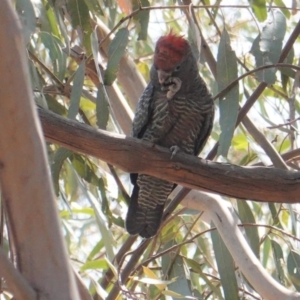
[(177, 68)]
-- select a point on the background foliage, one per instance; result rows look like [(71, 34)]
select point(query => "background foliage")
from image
[(69, 76)]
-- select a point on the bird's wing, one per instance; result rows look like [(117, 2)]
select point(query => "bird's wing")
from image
[(143, 112), (141, 118), (206, 127)]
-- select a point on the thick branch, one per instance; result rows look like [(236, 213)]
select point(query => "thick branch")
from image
[(234, 240), (131, 155), (25, 181)]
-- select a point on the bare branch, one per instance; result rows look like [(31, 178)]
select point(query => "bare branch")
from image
[(240, 250), (132, 155), (24, 174)]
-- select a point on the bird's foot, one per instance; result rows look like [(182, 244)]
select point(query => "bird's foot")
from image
[(173, 85), (174, 150)]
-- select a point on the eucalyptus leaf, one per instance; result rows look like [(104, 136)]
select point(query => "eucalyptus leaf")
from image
[(76, 91), (278, 260), (115, 52), (225, 267), (267, 46), (27, 17), (259, 8), (293, 267), (227, 72)]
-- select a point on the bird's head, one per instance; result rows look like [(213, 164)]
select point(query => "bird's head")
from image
[(170, 52)]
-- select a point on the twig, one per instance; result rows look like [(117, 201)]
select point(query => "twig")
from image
[(284, 124), (170, 249), (46, 69), (235, 81), (271, 228)]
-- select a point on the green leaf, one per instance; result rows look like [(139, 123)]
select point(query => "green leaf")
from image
[(287, 72), (27, 17), (80, 17), (102, 108), (85, 169), (259, 8), (226, 267), (227, 72), (95, 7), (53, 22), (282, 6), (58, 57), (76, 91), (272, 35), (267, 46), (115, 52), (181, 285), (278, 260), (60, 156), (95, 250), (293, 267), (142, 18), (275, 215), (246, 216), (105, 232), (266, 252), (94, 265), (196, 267)]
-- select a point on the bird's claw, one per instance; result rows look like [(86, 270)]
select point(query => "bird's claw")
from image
[(174, 150), (172, 85)]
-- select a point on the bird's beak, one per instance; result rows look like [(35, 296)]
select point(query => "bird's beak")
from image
[(163, 76)]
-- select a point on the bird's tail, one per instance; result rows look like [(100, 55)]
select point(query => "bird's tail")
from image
[(141, 220)]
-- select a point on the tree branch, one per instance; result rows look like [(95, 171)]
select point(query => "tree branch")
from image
[(132, 155), (264, 283), (15, 281), (25, 180)]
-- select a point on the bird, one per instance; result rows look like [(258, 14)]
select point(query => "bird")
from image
[(176, 111)]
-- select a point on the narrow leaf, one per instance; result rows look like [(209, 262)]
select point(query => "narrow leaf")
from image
[(196, 267), (278, 259), (227, 72), (115, 52), (283, 8), (226, 267), (27, 17), (58, 57), (76, 91), (267, 46), (246, 216), (102, 108), (105, 232), (95, 250), (94, 265), (293, 267), (259, 8), (142, 18), (60, 156), (80, 17), (182, 284)]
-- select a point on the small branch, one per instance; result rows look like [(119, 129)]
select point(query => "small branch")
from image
[(46, 69), (15, 281), (284, 124), (272, 228), (235, 81), (268, 147)]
